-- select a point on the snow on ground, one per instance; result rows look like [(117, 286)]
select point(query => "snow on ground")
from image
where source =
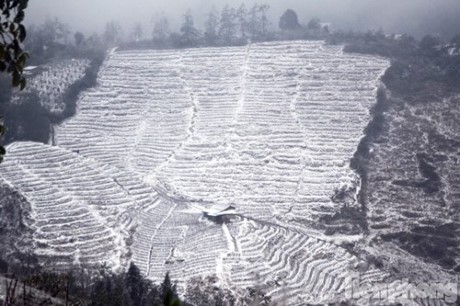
[(268, 128), (51, 83)]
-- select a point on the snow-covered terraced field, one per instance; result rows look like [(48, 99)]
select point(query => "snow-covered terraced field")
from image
[(268, 128), (81, 212), (52, 82), (136, 117)]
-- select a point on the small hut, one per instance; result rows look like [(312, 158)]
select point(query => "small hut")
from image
[(221, 214)]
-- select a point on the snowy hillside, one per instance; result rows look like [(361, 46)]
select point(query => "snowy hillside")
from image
[(269, 128), (52, 82), (167, 135)]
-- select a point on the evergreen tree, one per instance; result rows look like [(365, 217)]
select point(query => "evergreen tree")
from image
[(54, 32), (263, 9), (258, 22), (137, 32), (189, 34), (108, 290), (227, 30), (253, 22), (211, 28), (242, 15), (455, 41), (79, 38), (168, 292), (161, 31), (112, 33), (135, 286)]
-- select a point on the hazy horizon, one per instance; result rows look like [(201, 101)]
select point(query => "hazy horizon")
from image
[(415, 17)]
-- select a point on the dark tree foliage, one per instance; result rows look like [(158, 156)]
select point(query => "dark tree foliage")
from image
[(45, 41), (211, 28), (228, 26), (253, 21), (168, 293), (429, 43), (55, 32), (5, 89), (108, 290), (455, 41), (189, 34), (131, 288), (161, 32), (232, 26), (105, 288), (102, 287), (289, 21), (112, 32), (258, 22), (264, 23), (136, 288), (314, 25), (12, 34), (137, 32), (242, 19), (79, 38)]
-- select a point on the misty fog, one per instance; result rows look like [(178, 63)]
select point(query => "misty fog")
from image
[(415, 17)]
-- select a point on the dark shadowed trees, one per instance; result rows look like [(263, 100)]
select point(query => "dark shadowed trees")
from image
[(46, 40), (228, 26), (137, 32), (456, 40), (112, 32), (242, 19), (314, 25), (79, 38), (137, 287), (161, 31), (429, 43), (54, 32), (168, 292), (211, 27), (190, 36), (289, 21), (253, 21), (258, 22), (264, 23)]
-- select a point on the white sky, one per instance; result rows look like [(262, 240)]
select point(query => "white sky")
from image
[(392, 15)]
